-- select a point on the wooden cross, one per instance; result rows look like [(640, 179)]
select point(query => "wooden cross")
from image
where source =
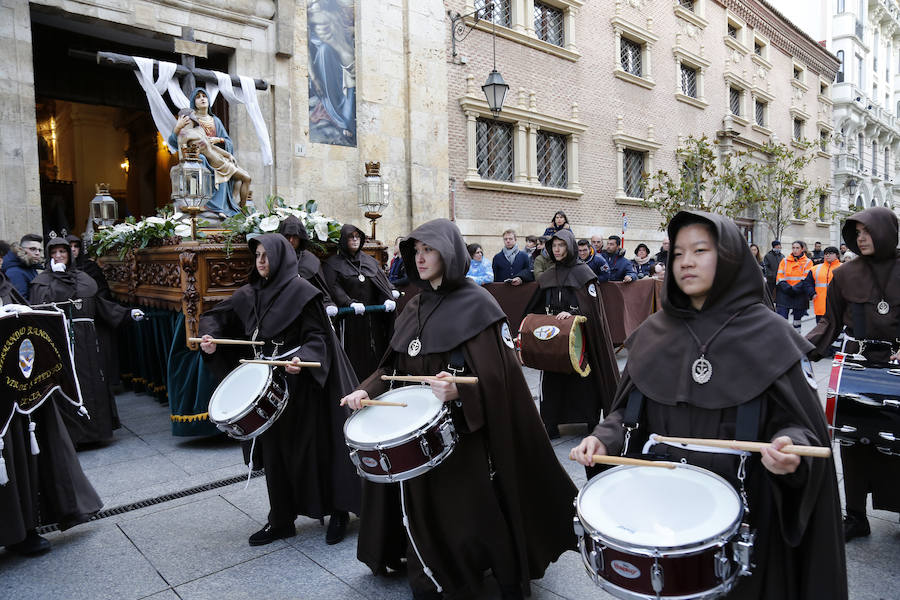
[(188, 48)]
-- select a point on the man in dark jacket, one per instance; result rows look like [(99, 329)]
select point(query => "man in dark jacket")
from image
[(818, 255), (21, 264), (592, 259), (620, 268), (770, 266), (510, 265)]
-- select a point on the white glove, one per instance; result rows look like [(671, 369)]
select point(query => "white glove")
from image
[(331, 310), (358, 307), (395, 294), (137, 314), (389, 305), (58, 267)]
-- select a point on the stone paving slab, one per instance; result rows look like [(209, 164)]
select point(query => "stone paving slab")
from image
[(196, 539), (113, 479)]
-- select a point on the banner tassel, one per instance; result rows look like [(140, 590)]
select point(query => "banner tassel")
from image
[(35, 449), (82, 410), (250, 466), (4, 478)]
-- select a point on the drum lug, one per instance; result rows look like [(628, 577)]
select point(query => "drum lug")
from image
[(595, 557), (843, 428), (657, 580), (845, 443), (236, 429), (887, 451), (891, 403), (262, 414), (742, 547), (385, 463), (448, 433), (887, 435), (425, 446), (578, 527), (354, 458), (722, 565)]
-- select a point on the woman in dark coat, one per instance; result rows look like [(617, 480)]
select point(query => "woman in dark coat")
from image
[(500, 501), (356, 280), (714, 377), (643, 262), (852, 304), (308, 469), (559, 222), (569, 288), (62, 281), (309, 267), (43, 488)]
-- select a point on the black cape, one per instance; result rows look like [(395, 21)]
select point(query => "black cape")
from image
[(364, 337), (571, 286), (463, 522), (49, 487), (799, 551), (309, 267), (308, 469), (50, 286)]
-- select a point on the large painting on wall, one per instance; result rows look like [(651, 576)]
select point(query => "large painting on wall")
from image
[(332, 71)]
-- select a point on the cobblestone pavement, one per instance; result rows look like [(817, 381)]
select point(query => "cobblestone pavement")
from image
[(195, 547)]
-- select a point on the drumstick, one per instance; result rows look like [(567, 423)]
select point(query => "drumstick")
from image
[(226, 342), (381, 403), (279, 363), (623, 460), (427, 378), (814, 451)]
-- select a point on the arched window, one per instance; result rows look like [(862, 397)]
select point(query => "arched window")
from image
[(859, 203), (840, 71)]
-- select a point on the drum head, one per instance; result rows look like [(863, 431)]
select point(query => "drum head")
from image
[(579, 349), (375, 424), (659, 508), (237, 391)]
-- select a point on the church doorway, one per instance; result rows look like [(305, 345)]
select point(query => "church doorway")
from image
[(93, 122)]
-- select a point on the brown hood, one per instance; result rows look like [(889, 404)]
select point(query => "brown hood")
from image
[(882, 225)]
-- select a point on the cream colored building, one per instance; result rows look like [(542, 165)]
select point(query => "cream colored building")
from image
[(599, 92)]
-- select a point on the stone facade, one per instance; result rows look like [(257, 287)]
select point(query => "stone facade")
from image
[(581, 88)]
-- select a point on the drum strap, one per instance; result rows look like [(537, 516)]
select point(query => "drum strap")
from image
[(457, 362), (858, 315), (632, 417), (746, 427)]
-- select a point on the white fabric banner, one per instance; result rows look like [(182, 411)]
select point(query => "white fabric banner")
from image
[(162, 118), (247, 96)]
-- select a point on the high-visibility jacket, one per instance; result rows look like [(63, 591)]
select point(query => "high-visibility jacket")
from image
[(822, 275), (793, 270)]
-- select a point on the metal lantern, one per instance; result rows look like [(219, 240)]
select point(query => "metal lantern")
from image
[(104, 208), (495, 90), (373, 193), (193, 184)]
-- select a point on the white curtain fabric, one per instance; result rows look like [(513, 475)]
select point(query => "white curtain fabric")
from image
[(247, 96), (162, 118)]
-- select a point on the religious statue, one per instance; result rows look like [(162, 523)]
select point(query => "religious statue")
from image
[(332, 72), (197, 127)]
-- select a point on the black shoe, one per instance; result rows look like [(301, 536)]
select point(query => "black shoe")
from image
[(337, 527), (552, 431), (511, 592), (269, 534), (429, 595), (855, 525), (32, 545)]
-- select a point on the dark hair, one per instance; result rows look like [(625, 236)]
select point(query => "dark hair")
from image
[(831, 250), (644, 246), (556, 214), (801, 242), (31, 237), (531, 238), (820, 243), (473, 248), (543, 239), (583, 242), (616, 238), (4, 248)]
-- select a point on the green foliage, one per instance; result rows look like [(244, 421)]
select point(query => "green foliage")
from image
[(132, 234)]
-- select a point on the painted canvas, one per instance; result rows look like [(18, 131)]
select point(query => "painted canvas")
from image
[(332, 71)]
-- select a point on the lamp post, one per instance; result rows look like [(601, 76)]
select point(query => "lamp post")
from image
[(104, 208), (373, 194), (494, 88), (192, 185)]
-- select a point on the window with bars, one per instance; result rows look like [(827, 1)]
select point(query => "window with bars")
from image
[(548, 23), (687, 4), (859, 148), (732, 31), (631, 57), (498, 11), (688, 81), (823, 203), (798, 129), (840, 71), (552, 159), (798, 73), (759, 110), (734, 101), (494, 149), (823, 141), (632, 173), (757, 48), (874, 158), (887, 159), (798, 204)]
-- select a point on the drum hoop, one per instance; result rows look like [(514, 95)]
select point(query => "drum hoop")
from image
[(626, 594), (580, 320), (265, 426), (433, 462), (249, 406), (719, 539), (399, 440)]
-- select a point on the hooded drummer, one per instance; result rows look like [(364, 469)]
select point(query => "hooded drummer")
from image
[(308, 469), (500, 501), (865, 300), (713, 377)]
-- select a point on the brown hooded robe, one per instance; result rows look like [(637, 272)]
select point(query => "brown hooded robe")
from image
[(799, 551), (463, 522), (49, 487), (308, 469), (365, 337), (862, 284), (51, 286), (570, 285)]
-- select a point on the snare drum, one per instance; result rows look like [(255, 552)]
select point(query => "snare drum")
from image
[(391, 443), (863, 404), (248, 401), (551, 344), (647, 532)]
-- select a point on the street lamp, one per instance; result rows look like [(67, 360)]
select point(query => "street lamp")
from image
[(192, 185), (494, 88), (104, 208), (373, 194)]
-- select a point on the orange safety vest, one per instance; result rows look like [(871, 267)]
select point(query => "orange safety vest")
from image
[(823, 274), (793, 270)]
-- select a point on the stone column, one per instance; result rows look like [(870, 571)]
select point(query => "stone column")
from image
[(20, 194), (528, 17), (570, 19), (572, 162), (620, 169), (532, 154), (522, 152), (472, 147)]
